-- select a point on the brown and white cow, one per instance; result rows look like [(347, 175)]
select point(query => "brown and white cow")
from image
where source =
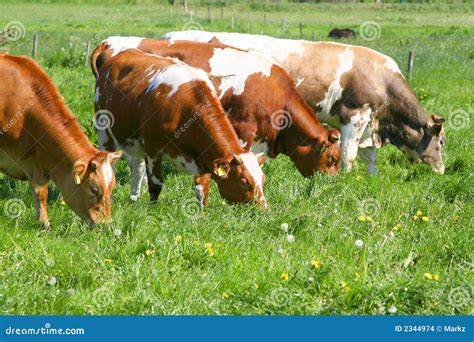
[(259, 97), (352, 87), (165, 109), (40, 140)]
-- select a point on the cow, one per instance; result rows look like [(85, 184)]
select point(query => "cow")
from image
[(163, 109), (342, 33), (41, 140), (260, 98), (357, 89)]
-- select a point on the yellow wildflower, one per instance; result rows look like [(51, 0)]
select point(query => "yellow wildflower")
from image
[(357, 275), (109, 261), (208, 245), (369, 219), (428, 275), (256, 286), (419, 213), (415, 218), (316, 263), (225, 295), (436, 277), (361, 218), (425, 219), (343, 284), (178, 238), (397, 227), (359, 177), (284, 277), (150, 252)]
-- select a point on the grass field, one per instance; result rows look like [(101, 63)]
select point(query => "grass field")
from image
[(234, 259)]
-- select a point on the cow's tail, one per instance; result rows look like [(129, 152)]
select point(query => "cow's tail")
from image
[(97, 59)]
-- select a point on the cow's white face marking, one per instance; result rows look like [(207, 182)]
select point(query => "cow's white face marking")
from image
[(176, 75), (200, 194), (149, 165), (251, 163), (237, 66), (97, 95), (259, 146), (108, 173), (334, 92), (276, 48), (170, 43), (118, 44), (390, 64)]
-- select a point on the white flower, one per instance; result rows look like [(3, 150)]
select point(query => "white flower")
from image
[(290, 238), (392, 309), (284, 227), (117, 232), (50, 262), (311, 279), (52, 281), (280, 250), (359, 243)]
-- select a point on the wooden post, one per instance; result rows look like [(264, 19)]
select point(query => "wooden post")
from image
[(301, 30), (185, 6), (35, 45), (249, 26), (411, 60), (232, 20), (264, 21), (195, 11), (88, 52), (222, 13), (282, 25), (313, 37)]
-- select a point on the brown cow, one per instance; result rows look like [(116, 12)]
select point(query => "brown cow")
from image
[(165, 109), (352, 87), (40, 140), (260, 98)]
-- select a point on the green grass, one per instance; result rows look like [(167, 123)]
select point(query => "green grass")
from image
[(97, 272)]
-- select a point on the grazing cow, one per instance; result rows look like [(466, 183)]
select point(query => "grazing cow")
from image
[(40, 140), (352, 87), (260, 98), (341, 33), (165, 109)]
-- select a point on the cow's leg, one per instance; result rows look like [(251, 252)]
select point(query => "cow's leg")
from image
[(369, 157), (40, 199), (202, 183), (137, 174), (155, 176), (351, 132)]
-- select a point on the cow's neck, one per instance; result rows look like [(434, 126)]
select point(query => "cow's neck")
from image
[(59, 142), (303, 130), (217, 137)]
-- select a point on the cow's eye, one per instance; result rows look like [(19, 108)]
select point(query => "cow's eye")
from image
[(441, 142), (94, 190)]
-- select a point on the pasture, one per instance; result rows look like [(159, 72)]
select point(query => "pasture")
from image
[(414, 228)]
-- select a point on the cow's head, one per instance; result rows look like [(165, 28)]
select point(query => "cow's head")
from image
[(425, 144), (241, 179), (319, 156), (87, 188)]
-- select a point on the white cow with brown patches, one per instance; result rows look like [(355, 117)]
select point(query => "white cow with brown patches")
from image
[(354, 88)]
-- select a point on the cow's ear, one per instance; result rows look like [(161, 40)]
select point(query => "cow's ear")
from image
[(261, 158), (334, 135), (114, 156), (221, 167), (436, 128), (215, 40), (437, 119), (79, 171)]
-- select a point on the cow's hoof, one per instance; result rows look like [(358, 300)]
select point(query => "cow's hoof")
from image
[(134, 198)]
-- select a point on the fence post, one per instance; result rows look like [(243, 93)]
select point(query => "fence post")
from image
[(264, 21), (35, 45), (313, 37), (249, 26), (411, 61), (185, 6), (301, 30), (88, 52), (222, 13), (232, 20)]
